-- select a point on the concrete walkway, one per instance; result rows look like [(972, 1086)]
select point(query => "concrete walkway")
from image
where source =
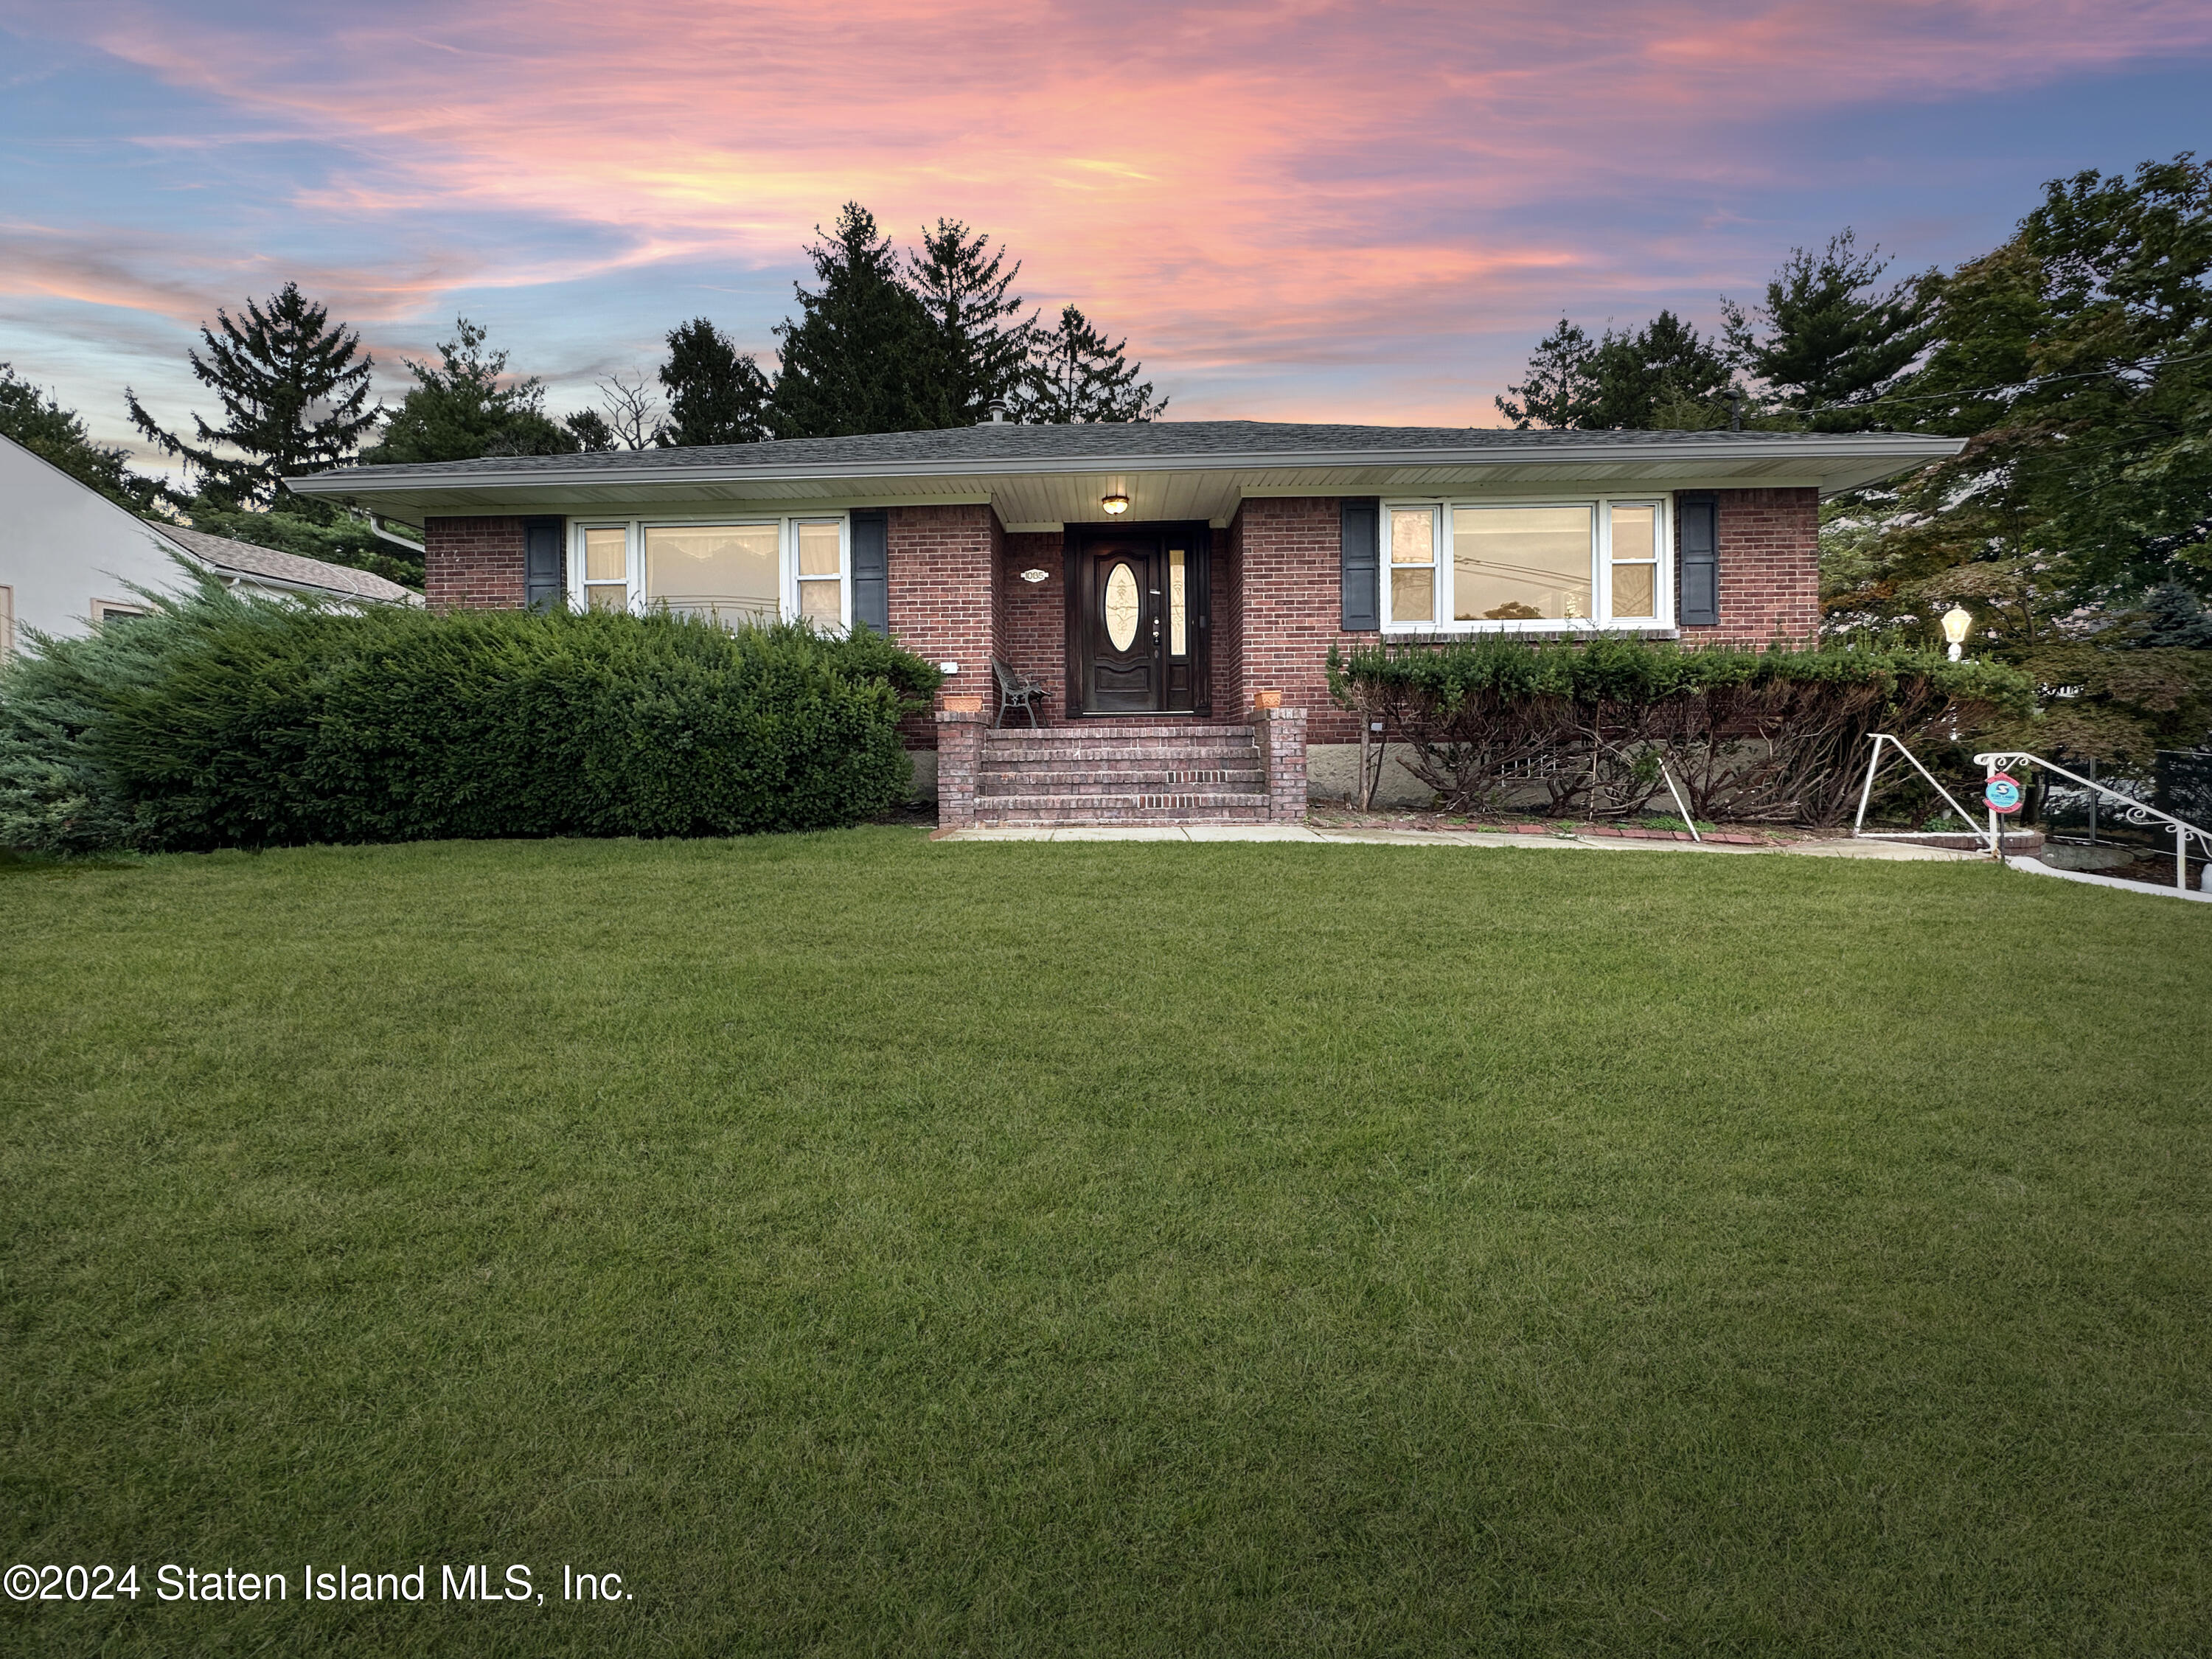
[(2039, 868), (1839, 847), (1298, 832)]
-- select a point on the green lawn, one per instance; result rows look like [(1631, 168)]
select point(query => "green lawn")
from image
[(865, 1245)]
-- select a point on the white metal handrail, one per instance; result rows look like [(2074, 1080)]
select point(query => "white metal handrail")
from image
[(1859, 830), (2131, 810)]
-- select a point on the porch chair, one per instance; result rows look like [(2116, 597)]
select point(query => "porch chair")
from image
[(1016, 692)]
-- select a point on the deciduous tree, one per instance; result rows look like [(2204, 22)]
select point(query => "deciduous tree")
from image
[(33, 417)]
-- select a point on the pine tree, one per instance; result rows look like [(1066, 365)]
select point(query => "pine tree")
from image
[(459, 409), (1661, 376), (1832, 343), (1076, 375), (1559, 390), (33, 419), (716, 394), (862, 357), (964, 286), (294, 394)]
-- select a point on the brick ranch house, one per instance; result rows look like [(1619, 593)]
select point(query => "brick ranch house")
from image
[(1174, 586)]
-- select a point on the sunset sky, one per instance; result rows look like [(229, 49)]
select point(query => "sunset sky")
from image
[(1361, 212)]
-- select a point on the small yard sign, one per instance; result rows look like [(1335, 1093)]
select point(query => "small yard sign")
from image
[(2001, 792)]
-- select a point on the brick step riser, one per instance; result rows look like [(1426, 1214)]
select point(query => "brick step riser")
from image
[(1122, 792), (1233, 778), (1112, 820), (1118, 765), (1092, 735), (1069, 760), (1163, 800), (1120, 745), (1081, 729)]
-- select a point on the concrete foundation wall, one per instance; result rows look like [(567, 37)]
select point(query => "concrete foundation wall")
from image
[(1333, 773)]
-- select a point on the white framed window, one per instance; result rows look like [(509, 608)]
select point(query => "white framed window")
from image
[(818, 587), (1541, 566), (7, 622), (105, 610), (726, 572), (1631, 567), (731, 569), (603, 581), (1415, 545)]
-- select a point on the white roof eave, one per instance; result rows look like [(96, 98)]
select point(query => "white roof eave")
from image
[(1896, 452)]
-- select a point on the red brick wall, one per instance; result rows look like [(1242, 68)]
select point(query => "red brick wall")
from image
[(1033, 616), (1769, 568), (943, 598), (473, 564), (1291, 583)]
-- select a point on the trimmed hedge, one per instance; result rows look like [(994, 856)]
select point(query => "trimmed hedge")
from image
[(223, 721), (1776, 734)]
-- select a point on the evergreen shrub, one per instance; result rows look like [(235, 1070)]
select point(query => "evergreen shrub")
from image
[(1777, 734), (221, 721)]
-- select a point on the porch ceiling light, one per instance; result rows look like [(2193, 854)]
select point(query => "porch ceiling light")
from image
[(1116, 504), (1956, 623)]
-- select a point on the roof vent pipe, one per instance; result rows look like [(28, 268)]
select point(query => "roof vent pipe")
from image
[(998, 408)]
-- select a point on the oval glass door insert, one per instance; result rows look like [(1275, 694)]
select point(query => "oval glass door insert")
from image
[(1123, 607)]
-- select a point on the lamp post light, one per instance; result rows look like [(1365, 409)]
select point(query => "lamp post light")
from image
[(1956, 621)]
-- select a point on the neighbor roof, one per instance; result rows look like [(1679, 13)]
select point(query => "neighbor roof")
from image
[(979, 461), (228, 557)]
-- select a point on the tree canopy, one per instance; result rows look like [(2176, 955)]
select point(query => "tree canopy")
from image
[(465, 406), (862, 355), (1075, 373), (1828, 342), (33, 417), (1649, 377), (716, 394), (983, 344), (294, 388), (2076, 359)]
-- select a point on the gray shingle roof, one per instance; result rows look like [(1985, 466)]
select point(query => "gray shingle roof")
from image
[(1160, 441), (228, 557)]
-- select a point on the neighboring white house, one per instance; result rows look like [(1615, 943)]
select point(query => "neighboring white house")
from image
[(69, 557)]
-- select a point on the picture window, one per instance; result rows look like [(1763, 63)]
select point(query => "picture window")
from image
[(1536, 566)]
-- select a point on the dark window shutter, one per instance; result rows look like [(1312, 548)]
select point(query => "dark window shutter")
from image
[(871, 571), (543, 584), (1697, 552), (1363, 540)]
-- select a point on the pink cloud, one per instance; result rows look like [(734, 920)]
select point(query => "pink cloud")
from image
[(1236, 182)]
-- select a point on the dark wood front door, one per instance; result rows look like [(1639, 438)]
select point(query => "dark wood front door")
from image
[(1139, 621)]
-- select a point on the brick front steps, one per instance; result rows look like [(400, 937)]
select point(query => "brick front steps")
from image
[(1143, 772), (1122, 773)]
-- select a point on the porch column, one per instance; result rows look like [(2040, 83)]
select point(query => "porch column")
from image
[(1281, 735)]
